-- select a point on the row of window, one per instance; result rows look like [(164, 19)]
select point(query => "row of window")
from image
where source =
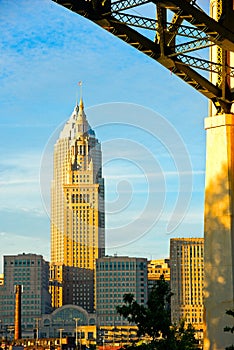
[(24, 296), (20, 262), (123, 266), (28, 308)]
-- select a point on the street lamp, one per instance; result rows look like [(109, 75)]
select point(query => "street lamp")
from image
[(11, 331), (37, 320), (76, 319), (60, 336)]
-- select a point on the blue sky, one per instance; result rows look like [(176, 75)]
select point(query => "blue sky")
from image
[(149, 122)]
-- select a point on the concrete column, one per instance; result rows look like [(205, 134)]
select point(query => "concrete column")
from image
[(219, 231)]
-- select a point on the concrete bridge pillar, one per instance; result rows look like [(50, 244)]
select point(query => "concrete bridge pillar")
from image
[(219, 231)]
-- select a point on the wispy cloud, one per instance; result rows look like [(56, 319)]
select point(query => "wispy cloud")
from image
[(19, 180), (143, 176)]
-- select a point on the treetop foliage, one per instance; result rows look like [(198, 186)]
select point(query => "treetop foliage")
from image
[(154, 321), (229, 329)]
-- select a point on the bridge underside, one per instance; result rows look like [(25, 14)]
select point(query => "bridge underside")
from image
[(171, 42)]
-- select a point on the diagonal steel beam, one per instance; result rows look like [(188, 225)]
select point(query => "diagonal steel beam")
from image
[(191, 46), (173, 28), (127, 4), (135, 21), (151, 24), (220, 35), (205, 65)]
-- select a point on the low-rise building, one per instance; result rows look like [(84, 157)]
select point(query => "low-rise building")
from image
[(30, 271), (116, 276)]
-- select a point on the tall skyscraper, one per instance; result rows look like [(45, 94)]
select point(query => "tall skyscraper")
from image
[(187, 267), (77, 211)]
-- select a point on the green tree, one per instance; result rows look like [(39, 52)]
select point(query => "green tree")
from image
[(154, 320), (229, 329)]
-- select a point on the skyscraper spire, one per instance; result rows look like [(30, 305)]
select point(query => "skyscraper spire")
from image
[(81, 104), (81, 120)]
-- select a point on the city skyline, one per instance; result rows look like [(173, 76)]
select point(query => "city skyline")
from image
[(47, 50)]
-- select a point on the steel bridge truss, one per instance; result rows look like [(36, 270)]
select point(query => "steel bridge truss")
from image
[(172, 40)]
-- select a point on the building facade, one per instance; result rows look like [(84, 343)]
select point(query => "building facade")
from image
[(77, 212), (73, 322), (157, 268), (32, 272), (187, 268), (68, 321), (72, 285), (116, 276)]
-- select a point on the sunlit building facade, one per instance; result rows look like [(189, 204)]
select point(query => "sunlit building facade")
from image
[(77, 212), (187, 267), (157, 268)]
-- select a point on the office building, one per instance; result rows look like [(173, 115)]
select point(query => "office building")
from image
[(32, 272), (157, 268), (186, 261), (77, 212), (72, 285), (116, 276)]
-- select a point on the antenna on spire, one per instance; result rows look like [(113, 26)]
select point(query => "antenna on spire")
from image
[(80, 85), (77, 92), (81, 104)]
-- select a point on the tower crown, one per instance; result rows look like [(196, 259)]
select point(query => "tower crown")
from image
[(82, 125), (77, 125)]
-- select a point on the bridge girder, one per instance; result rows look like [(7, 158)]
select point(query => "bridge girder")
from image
[(164, 48)]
